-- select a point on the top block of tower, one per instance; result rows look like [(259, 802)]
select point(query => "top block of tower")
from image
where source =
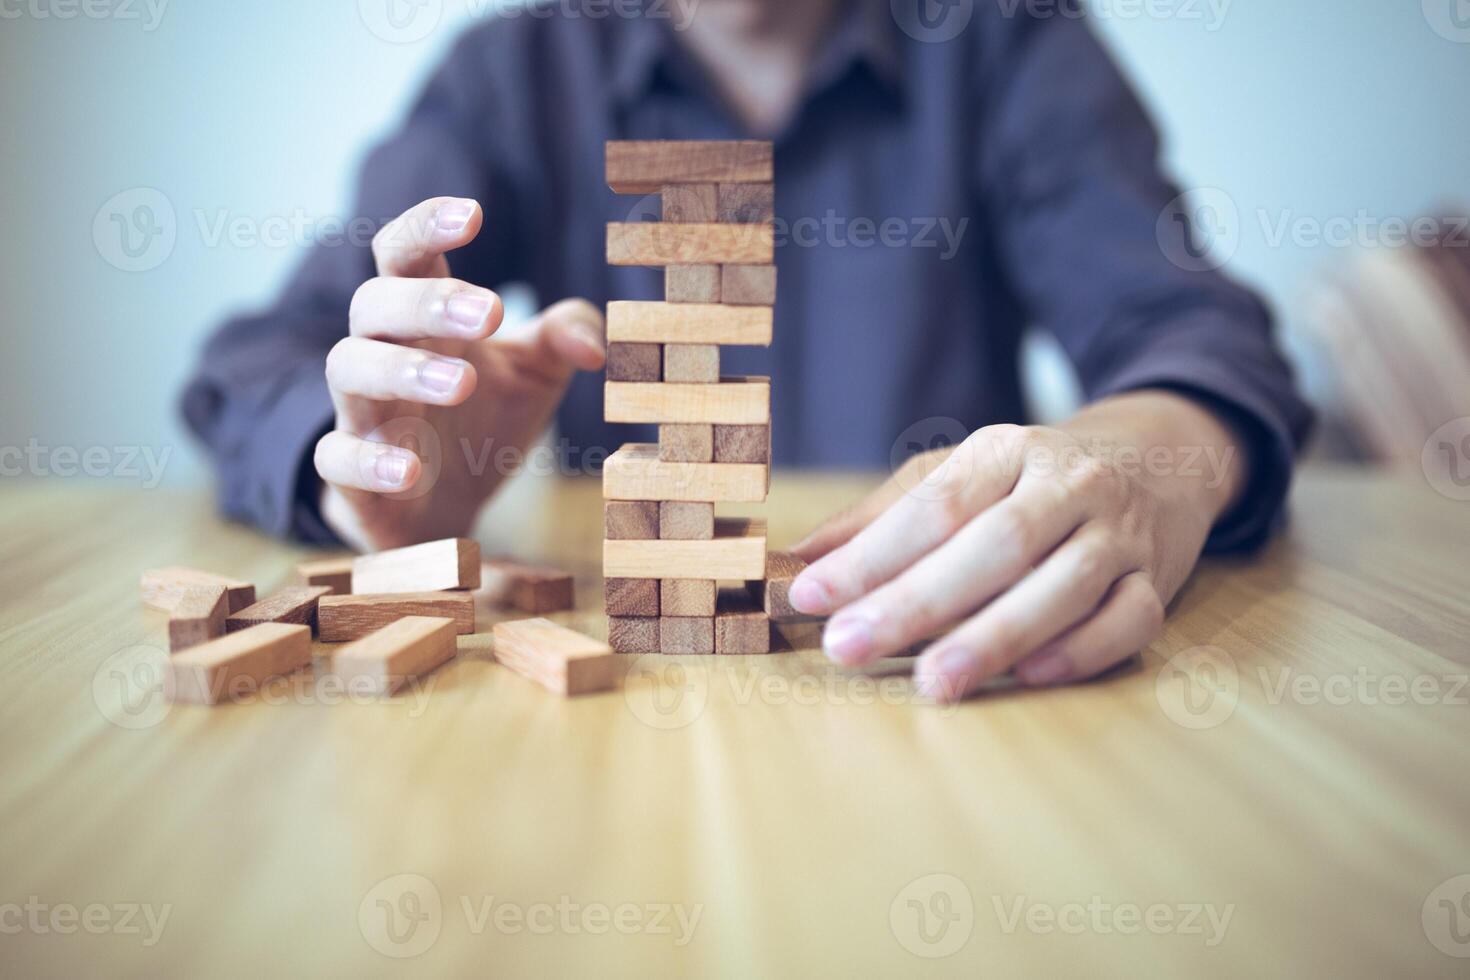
[(646, 166)]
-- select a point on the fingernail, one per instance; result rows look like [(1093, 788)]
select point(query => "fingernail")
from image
[(452, 216), (440, 375), (1045, 669), (809, 596), (391, 468), (944, 675), (849, 637), (467, 311)]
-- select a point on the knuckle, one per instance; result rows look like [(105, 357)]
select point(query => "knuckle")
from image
[(1150, 612), (338, 360), (1090, 559), (1014, 533)]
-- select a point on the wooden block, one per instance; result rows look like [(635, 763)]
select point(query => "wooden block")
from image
[(350, 617), (692, 363), (630, 597), (645, 166), (684, 520), (686, 443), (742, 443), (334, 573), (633, 634), (295, 604), (555, 657), (686, 597), (773, 592), (532, 589), (686, 634), (737, 551), (658, 243), (452, 563), (629, 321), (635, 362), (691, 204), (692, 284), (388, 658), (748, 285), (238, 663), (630, 520), (162, 588), (745, 203), (733, 401), (741, 626), (198, 617), (635, 472)]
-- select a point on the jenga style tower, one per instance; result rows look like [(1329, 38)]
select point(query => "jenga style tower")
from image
[(665, 551)]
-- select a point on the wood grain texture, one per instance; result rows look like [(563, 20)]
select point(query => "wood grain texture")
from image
[(559, 659), (733, 401), (741, 626), (630, 321), (737, 551), (741, 443), (451, 563), (680, 443), (198, 616), (656, 243), (748, 285), (162, 588), (692, 363), (645, 166), (388, 658), (686, 635), (745, 203), (633, 634), (692, 283), (631, 520), (295, 604), (635, 362), (693, 204), (773, 593), (236, 665), (635, 472), (630, 597), (685, 520), (686, 597), (534, 589), (334, 573), (351, 617)]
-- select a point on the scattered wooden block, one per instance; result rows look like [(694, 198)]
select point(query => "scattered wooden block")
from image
[(680, 443), (691, 204), (351, 617), (532, 589), (686, 597), (388, 658), (629, 321), (773, 592), (198, 617), (741, 626), (633, 634), (645, 166), (685, 520), (742, 443), (635, 362), (686, 634), (295, 604), (630, 520), (657, 243), (630, 597), (692, 284), (745, 203), (238, 663), (737, 551), (334, 573), (162, 588), (555, 657), (748, 285), (453, 563), (635, 472), (734, 401)]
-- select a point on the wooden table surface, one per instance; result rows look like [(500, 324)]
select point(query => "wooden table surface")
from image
[(1281, 787)]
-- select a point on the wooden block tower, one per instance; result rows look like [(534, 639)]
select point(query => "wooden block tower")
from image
[(666, 552)]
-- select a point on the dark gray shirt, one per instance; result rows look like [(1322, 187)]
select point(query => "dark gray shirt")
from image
[(934, 198)]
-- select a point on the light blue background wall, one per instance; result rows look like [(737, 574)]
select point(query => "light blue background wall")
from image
[(257, 113)]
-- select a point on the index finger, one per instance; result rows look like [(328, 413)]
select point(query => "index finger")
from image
[(413, 244)]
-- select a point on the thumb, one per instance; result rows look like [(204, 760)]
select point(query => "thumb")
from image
[(569, 336)]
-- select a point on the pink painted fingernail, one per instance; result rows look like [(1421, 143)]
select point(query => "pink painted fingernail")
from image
[(1045, 669), (391, 468), (452, 216), (849, 637), (808, 595), (467, 311), (441, 375)]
